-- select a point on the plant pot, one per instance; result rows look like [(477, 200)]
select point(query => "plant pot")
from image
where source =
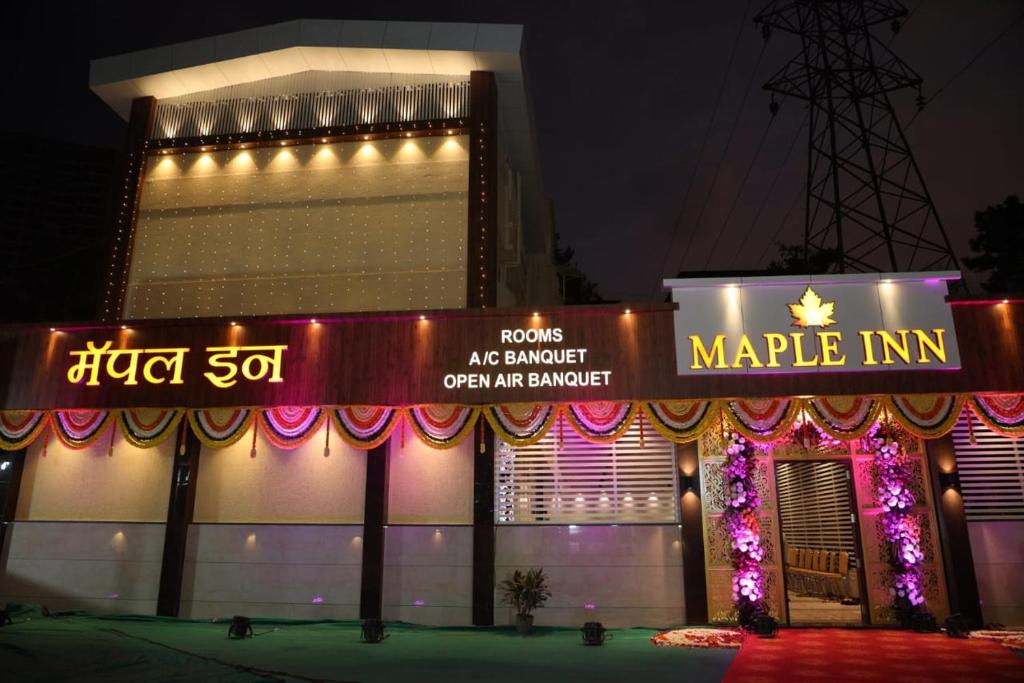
[(524, 623)]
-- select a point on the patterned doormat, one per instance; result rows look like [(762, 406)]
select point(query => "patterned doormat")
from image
[(872, 656)]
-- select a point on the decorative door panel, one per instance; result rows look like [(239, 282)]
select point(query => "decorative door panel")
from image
[(877, 570)]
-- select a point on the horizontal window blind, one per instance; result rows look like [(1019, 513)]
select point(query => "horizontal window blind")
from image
[(814, 502), (991, 472), (564, 479)]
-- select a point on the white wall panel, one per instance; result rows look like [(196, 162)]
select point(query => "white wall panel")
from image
[(428, 574), (429, 485), (93, 566), (281, 486), (127, 484), (272, 570), (998, 551), (622, 576)]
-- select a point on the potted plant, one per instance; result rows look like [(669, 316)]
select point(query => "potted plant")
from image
[(526, 591)]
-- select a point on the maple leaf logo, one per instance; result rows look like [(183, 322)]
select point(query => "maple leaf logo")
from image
[(812, 311)]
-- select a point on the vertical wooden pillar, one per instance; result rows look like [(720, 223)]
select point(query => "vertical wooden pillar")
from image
[(695, 587), (961, 582), (180, 508), (483, 526), (375, 517), (482, 292), (115, 278), (482, 240), (10, 486)]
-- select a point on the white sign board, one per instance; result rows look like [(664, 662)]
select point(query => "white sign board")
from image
[(814, 323)]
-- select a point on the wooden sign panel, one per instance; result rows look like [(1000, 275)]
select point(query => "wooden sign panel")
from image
[(458, 356)]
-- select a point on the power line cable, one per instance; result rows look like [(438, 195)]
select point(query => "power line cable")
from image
[(778, 230), (725, 153), (703, 145), (999, 36), (736, 196), (768, 195)]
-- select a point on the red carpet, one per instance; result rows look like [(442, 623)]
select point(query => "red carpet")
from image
[(869, 656)]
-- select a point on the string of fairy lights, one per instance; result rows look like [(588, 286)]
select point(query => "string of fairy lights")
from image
[(369, 224)]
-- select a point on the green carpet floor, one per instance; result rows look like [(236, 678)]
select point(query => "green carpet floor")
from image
[(89, 648)]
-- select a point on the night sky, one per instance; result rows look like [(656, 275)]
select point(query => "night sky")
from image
[(622, 93)]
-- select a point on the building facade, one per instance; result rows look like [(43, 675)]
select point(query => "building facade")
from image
[(330, 380)]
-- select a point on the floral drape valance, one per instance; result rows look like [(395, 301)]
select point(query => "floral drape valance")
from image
[(445, 426)]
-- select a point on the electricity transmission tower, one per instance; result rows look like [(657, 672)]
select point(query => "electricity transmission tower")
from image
[(866, 205)]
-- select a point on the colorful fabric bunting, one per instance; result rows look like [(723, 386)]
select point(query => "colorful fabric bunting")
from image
[(148, 427), (763, 419), (926, 415), (442, 426), (601, 421), (365, 427), (843, 417), (220, 427), (19, 428), (521, 424), (680, 421), (80, 428), (290, 427), (1002, 413)]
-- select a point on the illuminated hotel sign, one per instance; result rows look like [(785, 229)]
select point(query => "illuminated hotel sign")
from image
[(157, 366), (819, 323), (528, 357)]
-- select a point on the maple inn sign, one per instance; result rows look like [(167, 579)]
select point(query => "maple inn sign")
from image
[(830, 323)]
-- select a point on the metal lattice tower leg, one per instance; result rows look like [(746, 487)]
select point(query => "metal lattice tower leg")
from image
[(866, 199)]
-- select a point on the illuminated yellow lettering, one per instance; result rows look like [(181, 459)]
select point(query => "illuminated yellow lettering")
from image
[(746, 352), (700, 353), (937, 347), (265, 364), (798, 352), (129, 373), (172, 365), (890, 345), (869, 348), (830, 348), (222, 357), (88, 362), (255, 367), (777, 343)]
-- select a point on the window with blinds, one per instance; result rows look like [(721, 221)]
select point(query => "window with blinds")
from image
[(564, 479), (814, 503), (991, 472)]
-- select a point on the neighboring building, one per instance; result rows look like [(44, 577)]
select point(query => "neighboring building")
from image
[(57, 202)]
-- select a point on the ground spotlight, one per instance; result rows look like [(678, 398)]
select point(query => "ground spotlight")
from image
[(923, 622), (765, 626), (373, 631), (956, 626), (240, 627), (594, 633)]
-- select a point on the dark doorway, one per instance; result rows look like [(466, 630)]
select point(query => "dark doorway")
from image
[(820, 544)]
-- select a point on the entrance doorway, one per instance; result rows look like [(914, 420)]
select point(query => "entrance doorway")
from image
[(823, 567)]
